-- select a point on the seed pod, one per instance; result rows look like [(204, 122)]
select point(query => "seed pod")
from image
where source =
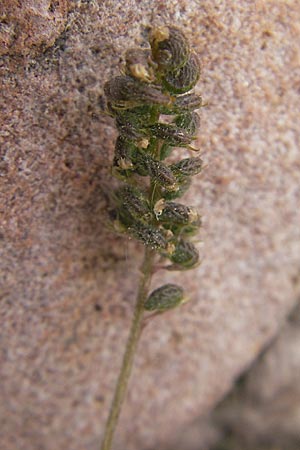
[(132, 123), (124, 154), (185, 256), (187, 102), (129, 130), (187, 167), (174, 213), (170, 48), (137, 64), (189, 121), (162, 175), (150, 236), (124, 92), (183, 79), (171, 134), (164, 298), (186, 231), (158, 171), (132, 201)]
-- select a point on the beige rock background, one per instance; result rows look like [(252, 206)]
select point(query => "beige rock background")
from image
[(68, 283)]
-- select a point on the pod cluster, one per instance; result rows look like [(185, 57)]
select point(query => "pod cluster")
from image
[(155, 111)]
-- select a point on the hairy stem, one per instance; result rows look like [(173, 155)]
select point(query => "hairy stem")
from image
[(132, 342)]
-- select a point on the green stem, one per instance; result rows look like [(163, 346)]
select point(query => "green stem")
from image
[(132, 342)]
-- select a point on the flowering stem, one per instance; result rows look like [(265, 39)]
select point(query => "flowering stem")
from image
[(132, 342)]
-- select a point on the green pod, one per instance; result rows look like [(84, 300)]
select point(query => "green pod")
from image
[(187, 167), (124, 92), (172, 134), (175, 213), (125, 152), (185, 231), (164, 298), (148, 235), (187, 102), (188, 121), (159, 172), (132, 123), (185, 256), (183, 79), (132, 204), (139, 116), (129, 129), (170, 48), (162, 175), (182, 103)]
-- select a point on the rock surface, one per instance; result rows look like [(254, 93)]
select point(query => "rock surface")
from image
[(264, 410), (68, 283)]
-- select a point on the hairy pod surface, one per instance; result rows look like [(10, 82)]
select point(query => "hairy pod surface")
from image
[(171, 134), (183, 79), (185, 256), (165, 297), (125, 92), (187, 167), (149, 235), (170, 48), (174, 213)]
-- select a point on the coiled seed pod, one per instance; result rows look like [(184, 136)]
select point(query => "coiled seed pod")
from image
[(187, 102), (124, 92), (189, 121), (129, 130), (187, 167), (158, 171), (174, 213), (164, 298), (185, 256), (133, 202), (183, 79), (124, 153), (185, 231), (170, 48), (150, 236), (171, 134), (132, 123)]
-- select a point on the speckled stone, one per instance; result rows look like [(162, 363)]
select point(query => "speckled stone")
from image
[(68, 282)]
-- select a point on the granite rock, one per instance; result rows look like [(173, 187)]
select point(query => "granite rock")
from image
[(68, 282)]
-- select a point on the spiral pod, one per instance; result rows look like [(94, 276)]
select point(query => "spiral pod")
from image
[(134, 202), (187, 102), (171, 134), (187, 167), (184, 79), (151, 236), (189, 121), (174, 213), (124, 92), (159, 172), (185, 256), (170, 48)]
